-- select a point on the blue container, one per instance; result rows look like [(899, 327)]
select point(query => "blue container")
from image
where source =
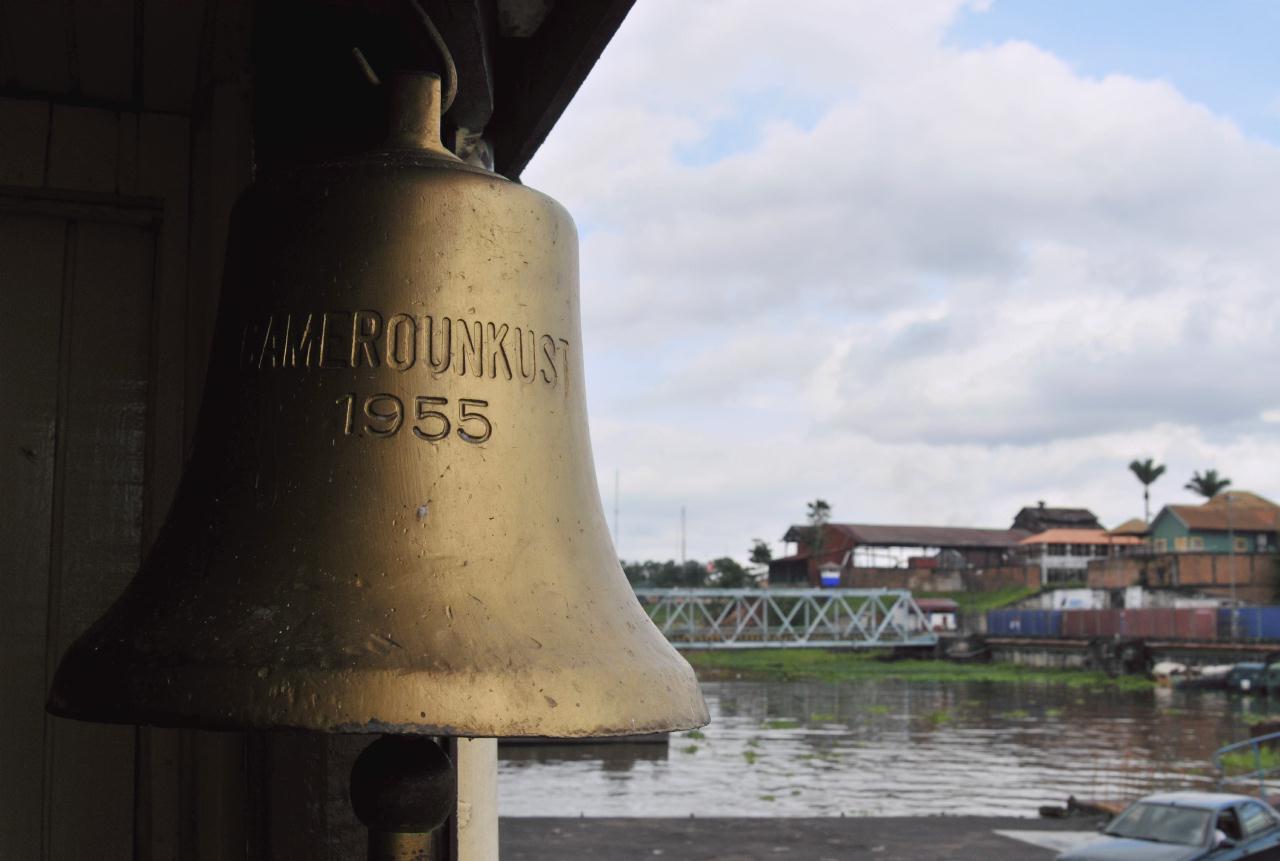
[(1024, 623), (1252, 623)]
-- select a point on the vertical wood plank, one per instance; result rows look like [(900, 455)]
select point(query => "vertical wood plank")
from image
[(158, 795), (127, 130), (35, 45), (31, 258), (165, 813), (104, 40), (222, 164), (476, 822), (24, 132), (82, 149), (308, 805), (163, 172), (98, 508), (219, 798), (171, 52)]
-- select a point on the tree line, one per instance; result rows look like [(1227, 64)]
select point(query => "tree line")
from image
[(722, 573)]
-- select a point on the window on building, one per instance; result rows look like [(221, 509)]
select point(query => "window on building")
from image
[(1160, 545), (1262, 542), (1180, 544), (1241, 544), (1197, 542), (1057, 550)]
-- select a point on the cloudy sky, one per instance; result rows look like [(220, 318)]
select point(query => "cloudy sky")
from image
[(930, 261)]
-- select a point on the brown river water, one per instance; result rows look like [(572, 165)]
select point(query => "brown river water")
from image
[(890, 748)]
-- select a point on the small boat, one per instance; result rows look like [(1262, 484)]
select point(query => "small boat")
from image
[(1247, 677)]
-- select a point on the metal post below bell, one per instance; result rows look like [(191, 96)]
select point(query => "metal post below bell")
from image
[(403, 788)]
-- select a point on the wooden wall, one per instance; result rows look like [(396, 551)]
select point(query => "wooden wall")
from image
[(124, 139)]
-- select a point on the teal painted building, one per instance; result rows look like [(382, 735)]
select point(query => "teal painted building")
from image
[(1231, 520)]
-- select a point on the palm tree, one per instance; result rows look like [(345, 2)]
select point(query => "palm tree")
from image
[(1147, 472), (817, 513), (1208, 485)]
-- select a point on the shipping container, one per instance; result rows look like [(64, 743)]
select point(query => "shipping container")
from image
[(1086, 624), (1167, 623), (1260, 624), (1024, 623)]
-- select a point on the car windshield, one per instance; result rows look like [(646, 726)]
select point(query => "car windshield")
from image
[(1163, 823)]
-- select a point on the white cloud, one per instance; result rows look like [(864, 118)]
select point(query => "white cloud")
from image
[(931, 285)]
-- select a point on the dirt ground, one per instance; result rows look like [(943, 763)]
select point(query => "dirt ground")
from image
[(931, 838)]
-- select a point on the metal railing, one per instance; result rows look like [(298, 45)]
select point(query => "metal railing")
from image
[(1260, 769), (780, 618)]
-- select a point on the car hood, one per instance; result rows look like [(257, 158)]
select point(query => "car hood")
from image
[(1124, 849)]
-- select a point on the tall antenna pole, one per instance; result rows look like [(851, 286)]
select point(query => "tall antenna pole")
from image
[(682, 554)]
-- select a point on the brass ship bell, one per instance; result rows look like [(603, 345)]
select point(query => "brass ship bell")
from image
[(390, 522)]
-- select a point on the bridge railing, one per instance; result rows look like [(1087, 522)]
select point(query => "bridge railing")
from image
[(779, 618), (1260, 752)]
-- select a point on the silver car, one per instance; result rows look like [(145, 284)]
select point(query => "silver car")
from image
[(1187, 826)]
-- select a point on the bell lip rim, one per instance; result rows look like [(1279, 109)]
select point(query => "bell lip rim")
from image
[(682, 707), (167, 720)]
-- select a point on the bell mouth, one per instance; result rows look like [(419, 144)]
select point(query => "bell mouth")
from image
[(562, 703)]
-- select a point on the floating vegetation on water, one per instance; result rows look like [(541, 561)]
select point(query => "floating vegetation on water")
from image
[(691, 748), (822, 717), (841, 666), (781, 723), (1243, 761), (939, 717), (753, 742), (695, 734), (1053, 713), (750, 756), (768, 798), (878, 709), (1016, 714)]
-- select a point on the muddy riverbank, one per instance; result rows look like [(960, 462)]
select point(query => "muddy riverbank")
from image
[(896, 839)]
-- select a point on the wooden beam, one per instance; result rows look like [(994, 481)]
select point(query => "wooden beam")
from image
[(537, 77)]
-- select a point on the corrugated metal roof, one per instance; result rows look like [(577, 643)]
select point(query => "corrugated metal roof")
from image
[(1246, 518), (1132, 526), (1080, 536), (963, 538), (1240, 499), (1040, 517)]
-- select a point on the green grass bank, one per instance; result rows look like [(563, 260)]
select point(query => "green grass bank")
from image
[(981, 602), (846, 666)]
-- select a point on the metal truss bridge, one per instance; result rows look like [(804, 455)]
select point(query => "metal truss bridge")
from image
[(787, 618)]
